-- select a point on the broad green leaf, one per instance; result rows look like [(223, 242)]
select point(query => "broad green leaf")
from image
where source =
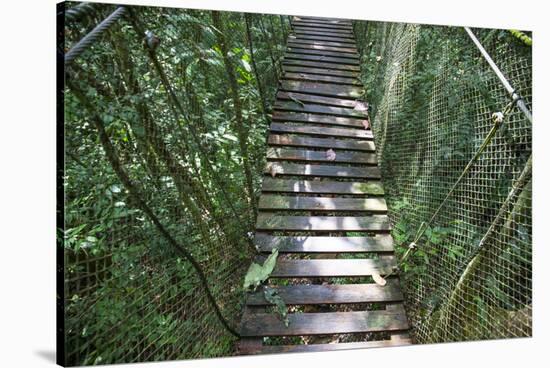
[(257, 274)]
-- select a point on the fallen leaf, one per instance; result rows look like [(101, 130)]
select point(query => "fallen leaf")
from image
[(378, 279), (366, 123), (257, 274), (331, 155), (361, 106), (274, 170)]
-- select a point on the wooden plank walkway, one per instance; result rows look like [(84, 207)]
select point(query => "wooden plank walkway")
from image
[(322, 207)]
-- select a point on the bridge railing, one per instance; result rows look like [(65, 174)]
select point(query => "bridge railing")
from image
[(164, 134), (434, 99)]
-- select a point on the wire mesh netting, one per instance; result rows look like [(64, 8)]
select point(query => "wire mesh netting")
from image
[(129, 296), (432, 97)]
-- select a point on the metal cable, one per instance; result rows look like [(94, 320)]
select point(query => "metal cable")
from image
[(79, 11), (515, 96), (94, 34)]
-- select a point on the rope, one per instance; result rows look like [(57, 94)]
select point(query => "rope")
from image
[(498, 119), (94, 34), (79, 11)]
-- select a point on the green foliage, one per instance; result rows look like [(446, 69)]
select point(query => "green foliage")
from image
[(432, 96), (272, 296), (257, 274), (129, 297)]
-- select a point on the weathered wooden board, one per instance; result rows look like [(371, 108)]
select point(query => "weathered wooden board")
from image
[(309, 107), (298, 30), (313, 51), (315, 348), (374, 223), (323, 89), (319, 100), (279, 202), (324, 244), (342, 22), (320, 131), (332, 294), (320, 64), (338, 30), (320, 58), (321, 47), (308, 51), (320, 71), (265, 324), (301, 41), (321, 78), (321, 187), (293, 154), (348, 41), (332, 267), (329, 171), (299, 117), (322, 19), (343, 144), (322, 25)]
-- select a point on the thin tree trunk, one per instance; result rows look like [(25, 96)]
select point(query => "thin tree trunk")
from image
[(255, 67), (241, 131)]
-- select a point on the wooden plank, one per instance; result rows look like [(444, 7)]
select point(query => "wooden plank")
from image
[(320, 71), (328, 171), (332, 267), (321, 58), (249, 345), (348, 41), (343, 144), (306, 42), (322, 19), (321, 78), (330, 90), (319, 100), (280, 203), (374, 223), (344, 22), (299, 50), (318, 64), (291, 154), (306, 28), (309, 107), (332, 294), (265, 324), (324, 244), (298, 30), (320, 131), (321, 47), (288, 116), (322, 25), (321, 187), (315, 348)]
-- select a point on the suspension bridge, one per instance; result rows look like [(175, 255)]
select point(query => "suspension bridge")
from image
[(321, 204), (322, 183)]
